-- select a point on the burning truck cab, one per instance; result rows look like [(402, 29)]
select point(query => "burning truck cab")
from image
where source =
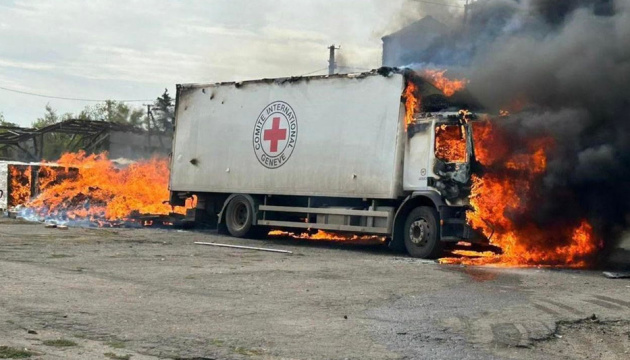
[(444, 168), (357, 154)]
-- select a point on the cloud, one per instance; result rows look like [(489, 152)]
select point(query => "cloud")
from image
[(136, 48)]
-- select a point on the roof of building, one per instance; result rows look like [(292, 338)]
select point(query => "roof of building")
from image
[(427, 24)]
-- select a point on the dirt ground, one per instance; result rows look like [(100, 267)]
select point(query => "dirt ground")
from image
[(148, 293)]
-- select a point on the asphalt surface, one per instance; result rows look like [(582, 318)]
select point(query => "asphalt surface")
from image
[(151, 293)]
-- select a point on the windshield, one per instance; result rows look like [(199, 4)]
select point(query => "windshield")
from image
[(450, 143)]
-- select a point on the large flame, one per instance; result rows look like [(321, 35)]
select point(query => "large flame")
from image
[(20, 184), (446, 85), (450, 143), (504, 199), (91, 187), (412, 102)]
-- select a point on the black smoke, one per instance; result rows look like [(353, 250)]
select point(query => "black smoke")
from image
[(568, 65), (563, 68)]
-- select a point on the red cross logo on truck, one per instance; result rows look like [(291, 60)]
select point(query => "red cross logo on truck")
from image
[(275, 134)]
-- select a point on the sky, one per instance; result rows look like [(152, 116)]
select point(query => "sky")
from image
[(134, 49)]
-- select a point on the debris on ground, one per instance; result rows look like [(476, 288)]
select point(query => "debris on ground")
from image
[(617, 274), (244, 247)]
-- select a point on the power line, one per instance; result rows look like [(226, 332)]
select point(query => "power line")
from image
[(67, 98)]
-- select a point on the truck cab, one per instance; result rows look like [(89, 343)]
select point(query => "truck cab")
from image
[(439, 154)]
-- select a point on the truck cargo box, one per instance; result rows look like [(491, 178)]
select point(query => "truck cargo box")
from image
[(332, 136)]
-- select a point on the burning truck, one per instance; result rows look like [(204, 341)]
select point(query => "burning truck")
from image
[(342, 153)]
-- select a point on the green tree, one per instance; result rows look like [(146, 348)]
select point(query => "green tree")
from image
[(163, 113), (50, 117), (3, 122), (54, 144), (114, 112)]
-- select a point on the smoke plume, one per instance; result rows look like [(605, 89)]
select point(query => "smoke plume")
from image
[(562, 68), (567, 69)]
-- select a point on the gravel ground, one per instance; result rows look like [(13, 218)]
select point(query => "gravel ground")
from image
[(149, 293)]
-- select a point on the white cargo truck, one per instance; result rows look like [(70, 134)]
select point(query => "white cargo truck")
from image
[(329, 152)]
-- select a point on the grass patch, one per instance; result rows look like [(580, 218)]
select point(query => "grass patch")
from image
[(247, 352), (13, 353), (111, 355), (217, 342), (59, 343), (116, 344)]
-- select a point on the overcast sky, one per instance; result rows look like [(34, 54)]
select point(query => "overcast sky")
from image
[(133, 49)]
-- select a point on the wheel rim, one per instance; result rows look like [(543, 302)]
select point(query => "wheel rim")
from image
[(239, 216), (419, 232)]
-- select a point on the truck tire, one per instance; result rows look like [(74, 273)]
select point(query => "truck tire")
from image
[(239, 216), (421, 233)]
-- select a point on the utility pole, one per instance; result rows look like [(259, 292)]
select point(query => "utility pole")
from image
[(332, 65), (149, 124)]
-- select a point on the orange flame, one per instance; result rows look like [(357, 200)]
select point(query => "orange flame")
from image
[(20, 191), (327, 236), (507, 191), (450, 143), (412, 102), (447, 86), (100, 191)]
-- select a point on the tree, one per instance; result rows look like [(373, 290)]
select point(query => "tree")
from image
[(50, 117), (3, 122), (55, 143), (163, 113), (114, 112)]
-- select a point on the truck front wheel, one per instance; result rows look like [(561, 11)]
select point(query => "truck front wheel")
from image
[(239, 216), (421, 233)]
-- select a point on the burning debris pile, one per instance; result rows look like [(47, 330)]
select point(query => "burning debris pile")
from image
[(91, 190), (20, 181)]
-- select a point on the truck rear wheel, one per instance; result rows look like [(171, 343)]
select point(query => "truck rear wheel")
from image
[(421, 233), (239, 216)]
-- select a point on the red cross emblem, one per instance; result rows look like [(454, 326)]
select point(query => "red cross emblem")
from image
[(275, 134)]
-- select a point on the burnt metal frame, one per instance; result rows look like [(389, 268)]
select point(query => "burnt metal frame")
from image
[(97, 132)]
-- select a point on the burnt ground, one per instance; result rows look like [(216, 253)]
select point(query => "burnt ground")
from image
[(148, 293)]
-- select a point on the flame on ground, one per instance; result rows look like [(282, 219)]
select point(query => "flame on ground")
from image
[(444, 84), (327, 236), (91, 187), (504, 199)]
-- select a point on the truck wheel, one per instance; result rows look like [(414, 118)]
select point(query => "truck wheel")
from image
[(239, 216), (421, 233)]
